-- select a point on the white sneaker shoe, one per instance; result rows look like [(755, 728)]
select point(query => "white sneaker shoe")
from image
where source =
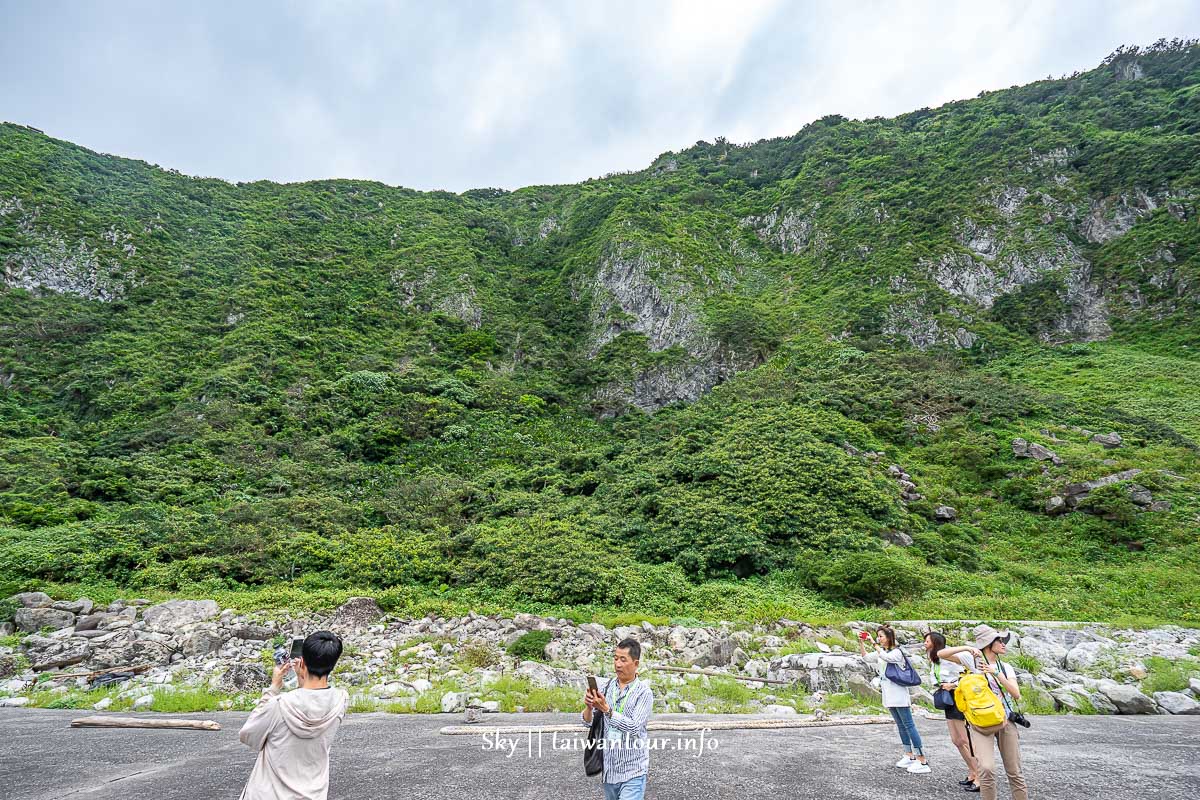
[(905, 762), (917, 768)]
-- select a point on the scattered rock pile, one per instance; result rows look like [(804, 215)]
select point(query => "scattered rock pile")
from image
[(194, 643)]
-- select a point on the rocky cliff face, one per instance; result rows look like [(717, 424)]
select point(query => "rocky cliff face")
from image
[(47, 262), (656, 294)]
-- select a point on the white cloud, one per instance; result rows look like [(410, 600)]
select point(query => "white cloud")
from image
[(498, 92)]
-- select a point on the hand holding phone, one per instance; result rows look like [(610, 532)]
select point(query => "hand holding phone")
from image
[(864, 635)]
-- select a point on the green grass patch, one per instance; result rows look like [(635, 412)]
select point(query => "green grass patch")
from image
[(1027, 662), (1165, 676)]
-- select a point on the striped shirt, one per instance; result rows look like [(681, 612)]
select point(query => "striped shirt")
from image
[(626, 749)]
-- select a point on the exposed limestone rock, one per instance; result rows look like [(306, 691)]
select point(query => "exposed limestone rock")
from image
[(51, 264), (788, 230), (1113, 216), (640, 291), (426, 293)]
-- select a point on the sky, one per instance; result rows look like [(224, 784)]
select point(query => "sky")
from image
[(466, 93)]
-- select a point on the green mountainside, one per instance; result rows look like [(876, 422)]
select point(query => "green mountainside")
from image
[(859, 367)]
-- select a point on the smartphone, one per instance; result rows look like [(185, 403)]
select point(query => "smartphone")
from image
[(864, 635), (297, 648), (281, 656), (592, 684)]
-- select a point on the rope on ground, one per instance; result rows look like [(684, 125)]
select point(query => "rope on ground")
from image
[(678, 725)]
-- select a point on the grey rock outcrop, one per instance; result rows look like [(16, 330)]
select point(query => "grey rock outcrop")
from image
[(174, 614), (32, 620)]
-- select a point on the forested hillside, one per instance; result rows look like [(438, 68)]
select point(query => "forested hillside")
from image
[(876, 363)]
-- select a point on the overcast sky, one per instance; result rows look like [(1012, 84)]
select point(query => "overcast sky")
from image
[(460, 94)]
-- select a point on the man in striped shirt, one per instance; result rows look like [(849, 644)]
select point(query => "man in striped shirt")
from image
[(626, 703)]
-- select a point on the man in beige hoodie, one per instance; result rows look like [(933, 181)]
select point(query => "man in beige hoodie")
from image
[(292, 732)]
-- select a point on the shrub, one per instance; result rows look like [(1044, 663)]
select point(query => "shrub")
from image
[(530, 646), (869, 577), (474, 655)]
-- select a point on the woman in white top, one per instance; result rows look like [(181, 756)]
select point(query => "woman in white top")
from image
[(896, 699), (943, 674)]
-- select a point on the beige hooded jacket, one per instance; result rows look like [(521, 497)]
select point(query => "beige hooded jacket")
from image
[(292, 733)]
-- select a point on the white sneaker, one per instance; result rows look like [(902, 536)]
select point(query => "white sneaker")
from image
[(917, 768), (905, 762)]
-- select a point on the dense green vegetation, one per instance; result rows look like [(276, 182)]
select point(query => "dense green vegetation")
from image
[(281, 394)]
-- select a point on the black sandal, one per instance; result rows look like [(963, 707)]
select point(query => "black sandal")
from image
[(967, 782), (974, 787)]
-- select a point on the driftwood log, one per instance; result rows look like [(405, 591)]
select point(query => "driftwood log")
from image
[(717, 674), (143, 722), (53, 676)]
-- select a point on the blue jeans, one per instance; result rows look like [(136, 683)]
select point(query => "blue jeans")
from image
[(632, 789), (908, 729)]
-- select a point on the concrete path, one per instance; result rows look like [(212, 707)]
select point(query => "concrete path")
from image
[(403, 756)]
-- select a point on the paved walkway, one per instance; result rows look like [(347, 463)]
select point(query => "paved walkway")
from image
[(385, 756)]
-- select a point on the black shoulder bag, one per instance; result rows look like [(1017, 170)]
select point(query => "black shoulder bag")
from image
[(593, 751)]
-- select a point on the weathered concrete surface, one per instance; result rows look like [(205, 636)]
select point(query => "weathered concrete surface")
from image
[(382, 756)]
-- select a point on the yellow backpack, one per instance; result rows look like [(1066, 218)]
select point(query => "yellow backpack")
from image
[(978, 703)]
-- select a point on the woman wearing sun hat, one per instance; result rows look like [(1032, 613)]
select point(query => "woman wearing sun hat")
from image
[(990, 645)]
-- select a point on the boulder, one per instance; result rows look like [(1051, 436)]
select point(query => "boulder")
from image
[(80, 607), (537, 674), (1139, 495), (1128, 699), (201, 639), (1109, 441), (1084, 655), (356, 612), (861, 688), (1055, 505), (945, 514), (898, 538), (44, 653), (779, 711), (1102, 704), (1023, 449), (32, 620), (718, 653), (454, 701), (1194, 687), (243, 678), (1047, 652), (92, 621), (1066, 699), (124, 649), (13, 702), (253, 633), (31, 599), (172, 615), (8, 666), (1177, 703), (1075, 492)]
